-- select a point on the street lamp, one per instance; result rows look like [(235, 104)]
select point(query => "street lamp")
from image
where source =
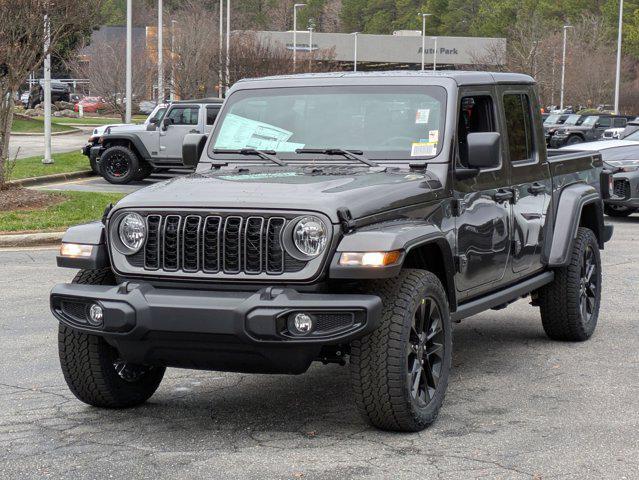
[(160, 52), (563, 69), (228, 45), (172, 86), (434, 54), (424, 15), (311, 27), (618, 76), (47, 92), (129, 41), (221, 44), (355, 34), (295, 7)]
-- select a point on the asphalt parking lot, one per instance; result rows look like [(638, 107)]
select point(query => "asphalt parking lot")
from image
[(518, 405)]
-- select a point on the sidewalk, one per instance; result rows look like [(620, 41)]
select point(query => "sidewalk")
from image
[(33, 145)]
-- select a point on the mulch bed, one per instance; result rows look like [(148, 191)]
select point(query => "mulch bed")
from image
[(17, 198)]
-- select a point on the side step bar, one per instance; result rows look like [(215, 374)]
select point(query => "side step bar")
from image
[(502, 297)]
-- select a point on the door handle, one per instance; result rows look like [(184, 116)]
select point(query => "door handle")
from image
[(503, 195), (536, 188)]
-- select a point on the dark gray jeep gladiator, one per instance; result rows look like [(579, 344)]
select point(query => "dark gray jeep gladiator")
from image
[(333, 218)]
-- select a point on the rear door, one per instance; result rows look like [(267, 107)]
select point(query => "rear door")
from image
[(483, 217), (529, 176), (183, 119)]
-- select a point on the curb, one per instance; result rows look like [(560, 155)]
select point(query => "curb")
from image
[(30, 239), (53, 134), (57, 177)]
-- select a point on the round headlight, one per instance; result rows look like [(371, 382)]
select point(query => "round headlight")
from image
[(310, 236), (132, 232)]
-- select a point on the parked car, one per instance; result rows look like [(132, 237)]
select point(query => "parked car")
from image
[(125, 156), (91, 105), (151, 122), (615, 133), (591, 129), (562, 120), (75, 97), (315, 229), (622, 158), (60, 91)]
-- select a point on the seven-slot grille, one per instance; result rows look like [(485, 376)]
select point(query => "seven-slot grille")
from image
[(229, 244), (622, 188)]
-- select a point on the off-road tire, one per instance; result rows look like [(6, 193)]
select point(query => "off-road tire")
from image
[(87, 362), (560, 301), (123, 154), (379, 361), (611, 212), (146, 169), (574, 140)]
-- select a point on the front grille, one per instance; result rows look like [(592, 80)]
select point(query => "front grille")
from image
[(622, 188), (229, 244)]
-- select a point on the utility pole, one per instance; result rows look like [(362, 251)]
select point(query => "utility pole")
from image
[(228, 45), (220, 84), (129, 49), (172, 86), (160, 53), (47, 92), (295, 7), (355, 34), (563, 69), (424, 15), (311, 26), (618, 76)]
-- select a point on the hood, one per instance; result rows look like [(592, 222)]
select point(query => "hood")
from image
[(602, 145), (118, 127), (364, 191)]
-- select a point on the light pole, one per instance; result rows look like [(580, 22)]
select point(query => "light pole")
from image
[(47, 92), (295, 7), (228, 46), (311, 26), (424, 15), (618, 77), (563, 69), (434, 54), (355, 34), (129, 41), (172, 86), (219, 76), (160, 53)]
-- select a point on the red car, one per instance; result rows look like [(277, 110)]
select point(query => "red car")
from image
[(91, 104)]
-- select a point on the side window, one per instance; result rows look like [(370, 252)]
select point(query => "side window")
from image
[(477, 114), (619, 122), (518, 116), (604, 122), (184, 115), (211, 114)]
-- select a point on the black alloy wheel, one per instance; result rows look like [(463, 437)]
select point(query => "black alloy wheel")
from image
[(425, 352), (117, 165), (589, 287)]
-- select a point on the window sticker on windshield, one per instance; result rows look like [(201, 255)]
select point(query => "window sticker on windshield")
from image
[(433, 136), (423, 149), (422, 116), (239, 132)]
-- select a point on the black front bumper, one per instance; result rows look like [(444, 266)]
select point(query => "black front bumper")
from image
[(216, 330)]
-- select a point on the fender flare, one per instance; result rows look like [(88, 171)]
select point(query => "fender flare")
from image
[(93, 234), (405, 236), (572, 201), (129, 137)]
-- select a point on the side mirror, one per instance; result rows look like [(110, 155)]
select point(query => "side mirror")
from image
[(192, 148), (484, 150), (166, 122)]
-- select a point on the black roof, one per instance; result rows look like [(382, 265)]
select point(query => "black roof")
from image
[(202, 100)]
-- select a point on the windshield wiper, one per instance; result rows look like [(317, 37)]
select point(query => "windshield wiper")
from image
[(350, 154), (263, 154)]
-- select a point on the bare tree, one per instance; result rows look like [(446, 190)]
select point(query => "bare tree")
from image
[(21, 48), (105, 68)]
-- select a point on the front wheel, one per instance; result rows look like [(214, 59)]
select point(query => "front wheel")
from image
[(574, 140), (93, 369), (400, 371), (119, 165), (570, 304)]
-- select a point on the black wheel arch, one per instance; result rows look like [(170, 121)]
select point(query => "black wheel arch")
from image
[(130, 141)]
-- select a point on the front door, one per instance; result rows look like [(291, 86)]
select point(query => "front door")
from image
[(483, 221), (530, 178), (182, 119)]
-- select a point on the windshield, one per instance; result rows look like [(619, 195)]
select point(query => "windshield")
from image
[(390, 122), (590, 121), (572, 120), (156, 114), (634, 136), (552, 120)]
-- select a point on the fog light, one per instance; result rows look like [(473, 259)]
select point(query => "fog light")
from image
[(96, 315), (303, 323)]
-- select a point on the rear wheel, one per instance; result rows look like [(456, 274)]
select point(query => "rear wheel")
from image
[(119, 165), (618, 211), (574, 140), (570, 304), (400, 371), (93, 369)]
